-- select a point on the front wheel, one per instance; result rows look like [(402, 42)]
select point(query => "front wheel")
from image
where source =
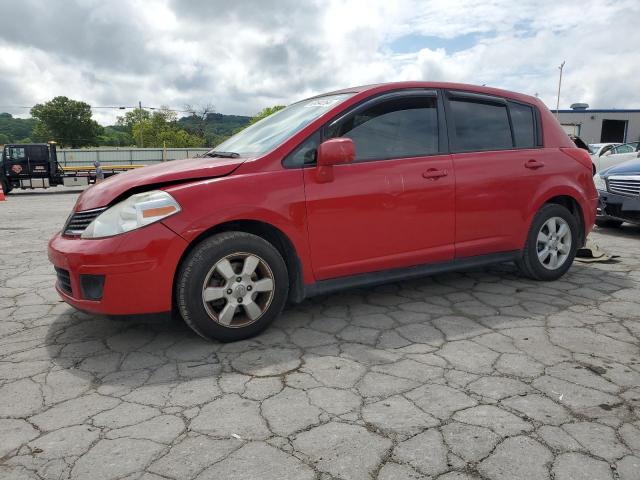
[(551, 244), (231, 286)]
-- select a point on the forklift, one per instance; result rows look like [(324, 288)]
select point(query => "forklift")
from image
[(35, 165)]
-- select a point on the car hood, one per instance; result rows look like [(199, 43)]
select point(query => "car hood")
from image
[(144, 178), (630, 167)]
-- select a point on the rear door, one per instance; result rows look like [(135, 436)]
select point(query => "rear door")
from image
[(499, 163), (394, 205)]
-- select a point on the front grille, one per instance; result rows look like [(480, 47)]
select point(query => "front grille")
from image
[(64, 280), (79, 221), (625, 185)]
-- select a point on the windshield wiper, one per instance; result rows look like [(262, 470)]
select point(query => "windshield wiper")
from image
[(214, 154)]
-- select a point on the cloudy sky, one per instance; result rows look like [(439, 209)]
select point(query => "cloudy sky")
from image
[(243, 55)]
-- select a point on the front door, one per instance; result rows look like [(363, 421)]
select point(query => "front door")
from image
[(394, 205), (16, 161)]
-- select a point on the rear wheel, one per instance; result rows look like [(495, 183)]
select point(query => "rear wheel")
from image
[(232, 286), (608, 223), (551, 244)]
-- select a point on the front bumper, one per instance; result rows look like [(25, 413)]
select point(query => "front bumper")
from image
[(618, 207), (137, 270)]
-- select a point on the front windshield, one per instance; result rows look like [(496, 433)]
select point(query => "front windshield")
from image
[(268, 133)]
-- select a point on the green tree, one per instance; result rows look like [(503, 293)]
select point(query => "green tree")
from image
[(114, 137), (69, 122), (159, 129), (4, 139)]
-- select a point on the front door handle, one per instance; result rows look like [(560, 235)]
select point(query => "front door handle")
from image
[(533, 164), (434, 174)]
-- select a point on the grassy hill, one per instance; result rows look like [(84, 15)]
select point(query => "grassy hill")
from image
[(14, 130)]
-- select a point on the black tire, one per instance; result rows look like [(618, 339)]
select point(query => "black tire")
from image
[(529, 264), (608, 223), (197, 267)]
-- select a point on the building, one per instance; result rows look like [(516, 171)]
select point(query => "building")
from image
[(601, 125)]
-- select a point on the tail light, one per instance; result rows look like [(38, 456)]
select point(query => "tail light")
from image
[(579, 155)]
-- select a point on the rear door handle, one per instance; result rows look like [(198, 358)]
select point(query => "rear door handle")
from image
[(533, 164), (434, 173)]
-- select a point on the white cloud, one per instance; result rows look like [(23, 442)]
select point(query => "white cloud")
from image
[(243, 56)]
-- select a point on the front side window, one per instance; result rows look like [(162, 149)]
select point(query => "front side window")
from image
[(480, 126), (16, 154), (523, 121), (305, 154), (268, 133), (397, 128)]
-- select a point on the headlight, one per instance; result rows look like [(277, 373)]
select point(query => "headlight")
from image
[(136, 211), (600, 182)]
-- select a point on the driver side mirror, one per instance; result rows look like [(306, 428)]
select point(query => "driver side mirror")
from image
[(334, 151)]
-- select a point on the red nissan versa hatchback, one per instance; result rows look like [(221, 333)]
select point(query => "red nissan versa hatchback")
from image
[(356, 187)]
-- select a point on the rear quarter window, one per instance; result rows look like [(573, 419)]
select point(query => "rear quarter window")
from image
[(523, 120)]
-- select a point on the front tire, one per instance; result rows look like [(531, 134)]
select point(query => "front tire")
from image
[(232, 286), (551, 244)]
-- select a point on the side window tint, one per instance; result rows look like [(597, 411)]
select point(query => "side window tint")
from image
[(480, 126), (523, 122), (397, 128), (37, 153), (305, 153)]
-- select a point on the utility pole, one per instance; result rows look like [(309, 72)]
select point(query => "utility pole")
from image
[(140, 114), (559, 85)]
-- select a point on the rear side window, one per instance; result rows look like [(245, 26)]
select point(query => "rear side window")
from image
[(37, 153), (480, 125), (396, 128), (523, 120)]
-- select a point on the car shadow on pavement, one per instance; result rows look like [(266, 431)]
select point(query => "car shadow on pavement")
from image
[(626, 230), (140, 358)]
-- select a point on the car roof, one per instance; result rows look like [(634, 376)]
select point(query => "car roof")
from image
[(482, 89)]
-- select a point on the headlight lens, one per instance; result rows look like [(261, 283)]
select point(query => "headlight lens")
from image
[(136, 211), (600, 182)]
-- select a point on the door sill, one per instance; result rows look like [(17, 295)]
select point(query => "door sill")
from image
[(399, 274)]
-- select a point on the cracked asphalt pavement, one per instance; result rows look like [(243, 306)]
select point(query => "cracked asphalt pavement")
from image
[(473, 375)]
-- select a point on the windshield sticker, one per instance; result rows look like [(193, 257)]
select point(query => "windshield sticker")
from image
[(323, 102)]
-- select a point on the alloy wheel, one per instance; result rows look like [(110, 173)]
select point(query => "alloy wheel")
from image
[(238, 290), (554, 243)]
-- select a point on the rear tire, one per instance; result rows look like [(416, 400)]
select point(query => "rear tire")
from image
[(231, 286), (551, 244), (609, 223)]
